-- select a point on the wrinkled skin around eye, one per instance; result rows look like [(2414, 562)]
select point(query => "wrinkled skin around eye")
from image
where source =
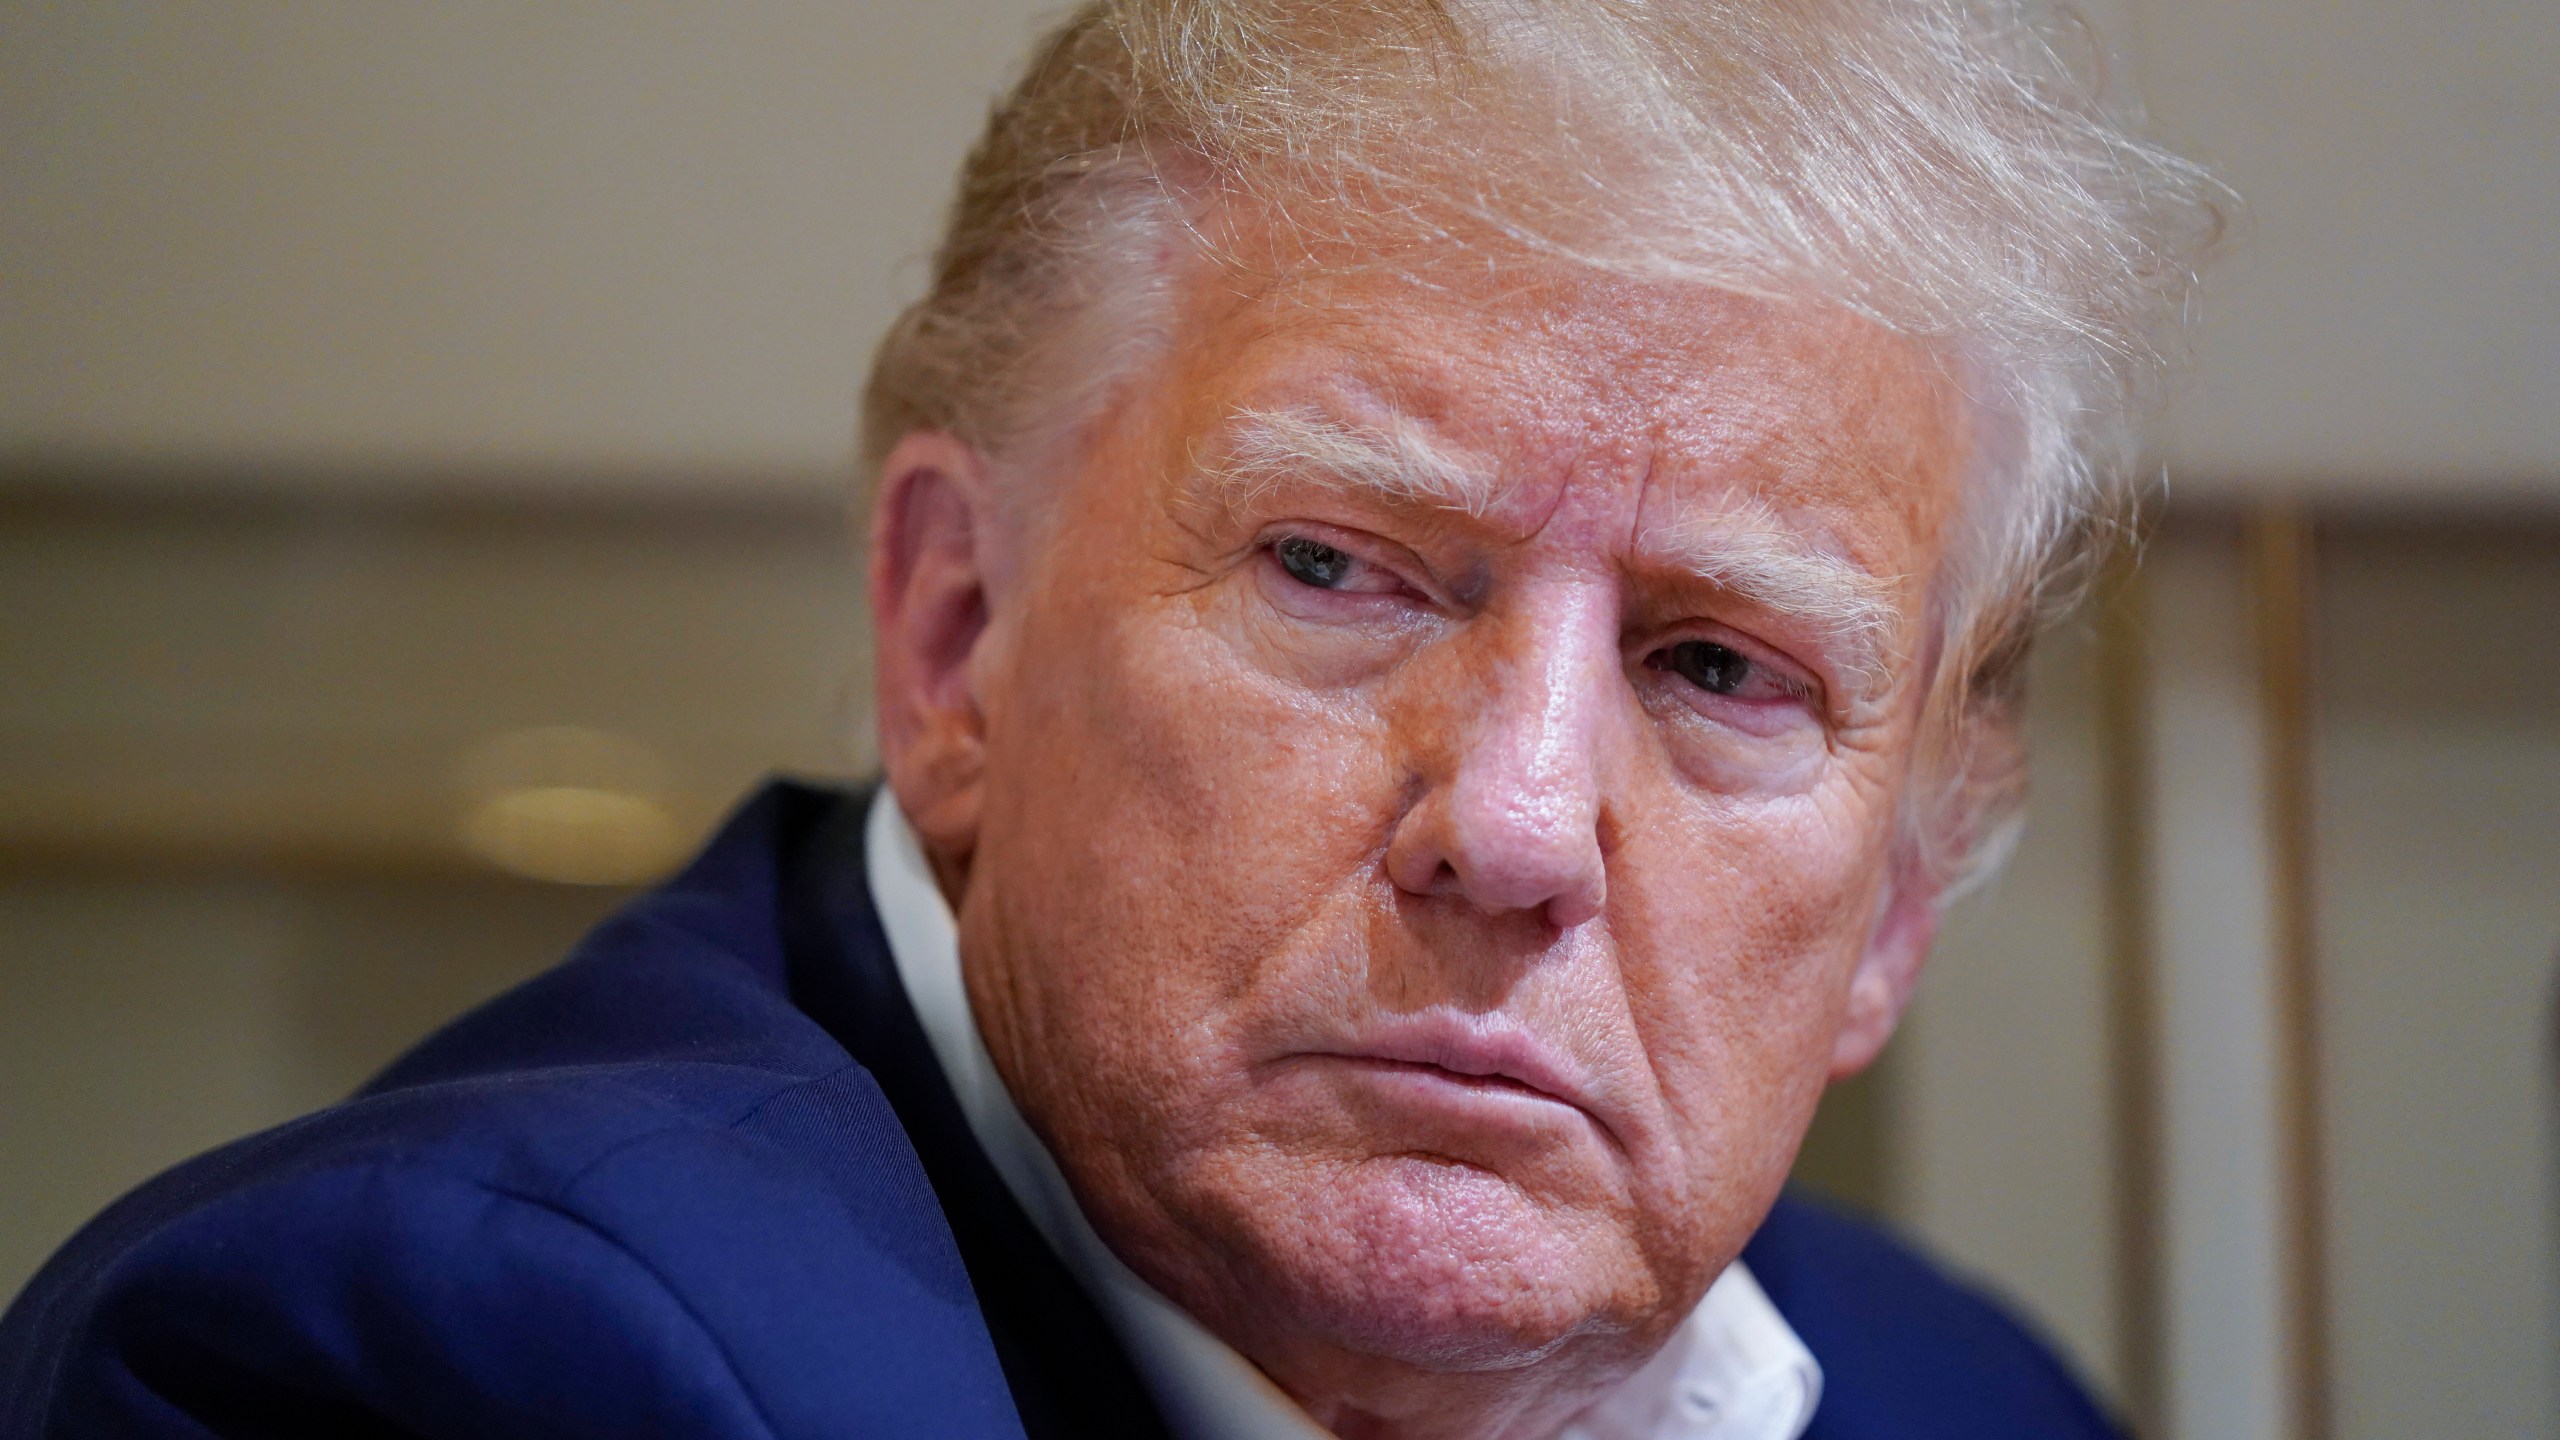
[(1254, 807)]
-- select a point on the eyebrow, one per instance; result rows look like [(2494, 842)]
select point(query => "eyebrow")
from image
[(1744, 549), (1395, 460)]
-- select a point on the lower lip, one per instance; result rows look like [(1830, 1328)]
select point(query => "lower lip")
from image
[(1492, 1099)]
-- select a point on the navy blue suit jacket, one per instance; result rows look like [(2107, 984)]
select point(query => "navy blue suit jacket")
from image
[(705, 1179)]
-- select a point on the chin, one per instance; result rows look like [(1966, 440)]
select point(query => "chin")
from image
[(1434, 1263)]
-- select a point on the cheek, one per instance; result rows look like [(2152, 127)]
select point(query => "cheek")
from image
[(1195, 763), (1739, 929), (1163, 817)]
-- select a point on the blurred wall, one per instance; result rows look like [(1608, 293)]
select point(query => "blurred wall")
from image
[(199, 679), (1998, 1140), (653, 241), (2390, 325), (589, 242), (2439, 843)]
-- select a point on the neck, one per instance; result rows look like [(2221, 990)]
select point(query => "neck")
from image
[(1366, 1398)]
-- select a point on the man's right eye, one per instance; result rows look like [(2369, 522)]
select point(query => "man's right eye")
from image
[(1312, 562)]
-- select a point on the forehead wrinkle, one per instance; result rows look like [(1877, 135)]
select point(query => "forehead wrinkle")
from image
[(1392, 460), (1747, 550)]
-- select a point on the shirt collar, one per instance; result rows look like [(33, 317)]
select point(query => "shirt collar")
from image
[(1733, 1371)]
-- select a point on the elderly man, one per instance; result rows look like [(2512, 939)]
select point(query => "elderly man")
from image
[(1449, 580)]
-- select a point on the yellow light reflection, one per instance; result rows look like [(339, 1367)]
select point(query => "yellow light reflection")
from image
[(571, 805)]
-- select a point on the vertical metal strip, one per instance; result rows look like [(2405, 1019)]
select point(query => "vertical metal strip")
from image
[(2280, 565), (2133, 1001)]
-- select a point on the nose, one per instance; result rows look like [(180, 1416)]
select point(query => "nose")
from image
[(1509, 817)]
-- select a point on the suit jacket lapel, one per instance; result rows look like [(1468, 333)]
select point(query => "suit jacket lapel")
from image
[(1067, 1371)]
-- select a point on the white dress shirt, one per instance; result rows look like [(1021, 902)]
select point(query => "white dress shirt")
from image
[(1733, 1371)]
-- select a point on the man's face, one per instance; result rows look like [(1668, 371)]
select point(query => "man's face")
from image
[(1429, 848)]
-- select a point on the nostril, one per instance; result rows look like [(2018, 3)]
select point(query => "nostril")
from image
[(1579, 903), (1529, 871)]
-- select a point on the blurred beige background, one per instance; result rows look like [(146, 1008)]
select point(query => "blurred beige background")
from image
[(423, 464)]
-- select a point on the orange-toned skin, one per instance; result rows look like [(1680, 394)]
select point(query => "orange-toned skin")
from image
[(1209, 829)]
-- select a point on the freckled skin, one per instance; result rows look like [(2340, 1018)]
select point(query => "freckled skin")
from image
[(1200, 817)]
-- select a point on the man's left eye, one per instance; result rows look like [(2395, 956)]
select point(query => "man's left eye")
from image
[(1717, 669), (1312, 562)]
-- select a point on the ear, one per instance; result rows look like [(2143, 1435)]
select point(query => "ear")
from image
[(931, 535), (1886, 974)]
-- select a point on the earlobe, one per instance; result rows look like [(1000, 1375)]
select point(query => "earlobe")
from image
[(930, 536), (1881, 987)]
